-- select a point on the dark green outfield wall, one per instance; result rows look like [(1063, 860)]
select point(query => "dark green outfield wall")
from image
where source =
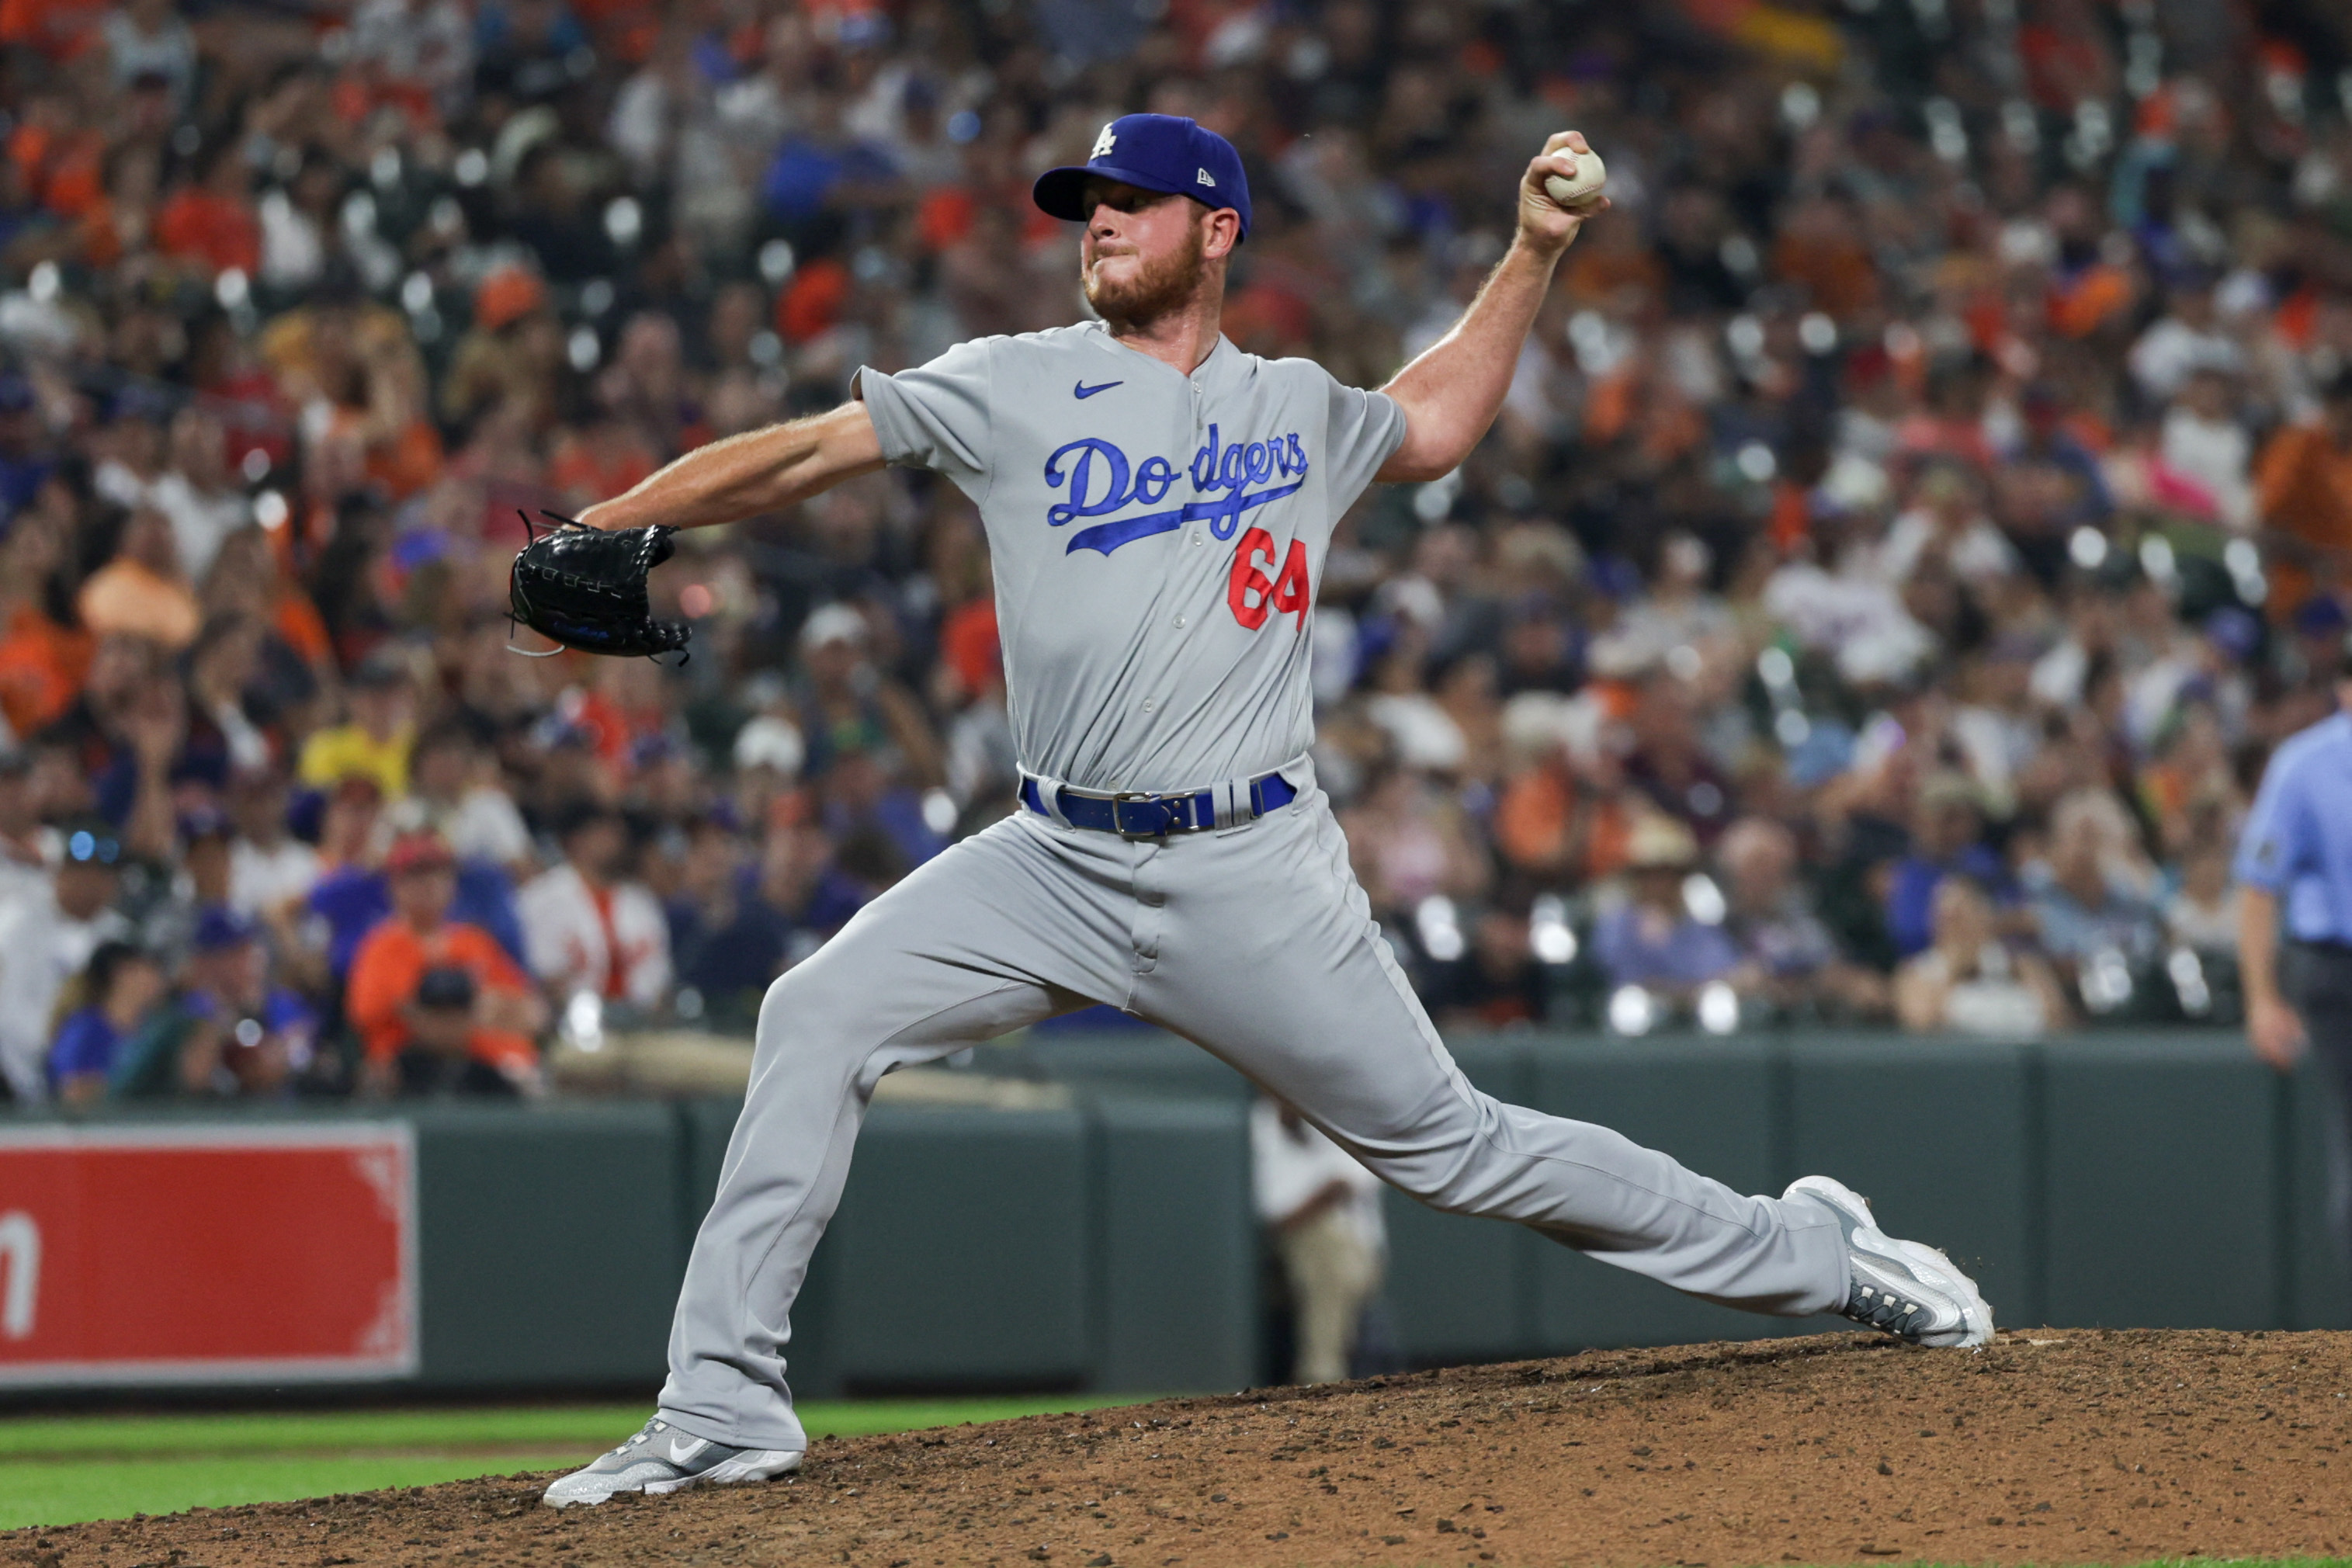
[(2159, 1181)]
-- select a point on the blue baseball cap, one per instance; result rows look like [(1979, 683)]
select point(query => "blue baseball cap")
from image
[(219, 928), (1160, 153)]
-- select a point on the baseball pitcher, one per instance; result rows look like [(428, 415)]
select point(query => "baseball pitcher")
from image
[(1159, 505)]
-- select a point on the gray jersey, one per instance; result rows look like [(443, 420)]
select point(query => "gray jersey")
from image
[(1157, 539)]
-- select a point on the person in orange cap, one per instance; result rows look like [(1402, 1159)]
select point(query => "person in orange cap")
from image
[(507, 295), (421, 1027), (512, 351)]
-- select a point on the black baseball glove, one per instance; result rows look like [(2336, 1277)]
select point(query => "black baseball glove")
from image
[(585, 588)]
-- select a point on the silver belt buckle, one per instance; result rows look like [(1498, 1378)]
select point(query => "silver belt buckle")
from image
[(1128, 795)]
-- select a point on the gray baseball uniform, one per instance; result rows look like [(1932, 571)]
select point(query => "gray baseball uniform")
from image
[(1156, 538)]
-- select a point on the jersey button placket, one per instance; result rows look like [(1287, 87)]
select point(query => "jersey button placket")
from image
[(1199, 431), (1143, 930)]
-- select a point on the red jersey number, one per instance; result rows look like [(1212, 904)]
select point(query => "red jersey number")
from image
[(1252, 597)]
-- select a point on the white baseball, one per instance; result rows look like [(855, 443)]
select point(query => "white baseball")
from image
[(1577, 192)]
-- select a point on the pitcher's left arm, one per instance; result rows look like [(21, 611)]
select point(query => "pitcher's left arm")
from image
[(1451, 392)]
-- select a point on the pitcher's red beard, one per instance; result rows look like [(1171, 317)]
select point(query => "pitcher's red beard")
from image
[(1157, 288)]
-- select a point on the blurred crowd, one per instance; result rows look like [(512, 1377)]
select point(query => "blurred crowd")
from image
[(1924, 501)]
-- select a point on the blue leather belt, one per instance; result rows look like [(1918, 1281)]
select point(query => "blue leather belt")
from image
[(1146, 815)]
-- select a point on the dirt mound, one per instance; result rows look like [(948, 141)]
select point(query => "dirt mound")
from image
[(2050, 1447)]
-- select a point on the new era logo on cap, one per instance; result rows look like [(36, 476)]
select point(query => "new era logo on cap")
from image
[(1157, 152)]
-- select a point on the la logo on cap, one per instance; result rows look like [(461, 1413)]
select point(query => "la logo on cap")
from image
[(1103, 144)]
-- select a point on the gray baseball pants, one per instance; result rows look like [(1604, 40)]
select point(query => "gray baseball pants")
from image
[(1255, 944), (2317, 977)]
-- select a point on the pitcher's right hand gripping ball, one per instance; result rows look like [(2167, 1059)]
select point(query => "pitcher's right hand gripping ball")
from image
[(1564, 185), (585, 588)]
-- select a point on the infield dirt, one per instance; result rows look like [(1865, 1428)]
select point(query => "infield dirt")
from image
[(2050, 1447)]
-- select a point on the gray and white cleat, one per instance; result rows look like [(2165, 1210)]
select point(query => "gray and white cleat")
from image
[(661, 1458), (1911, 1291)]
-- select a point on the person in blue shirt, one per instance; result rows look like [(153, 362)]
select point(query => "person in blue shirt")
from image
[(230, 1029), (25, 463), (121, 986), (2295, 862), (2082, 909), (1653, 939), (1946, 839), (822, 165), (734, 925)]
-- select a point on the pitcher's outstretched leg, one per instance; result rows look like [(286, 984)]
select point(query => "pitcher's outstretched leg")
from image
[(1314, 1008), (990, 937)]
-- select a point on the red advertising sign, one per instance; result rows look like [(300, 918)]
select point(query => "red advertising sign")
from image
[(211, 1254)]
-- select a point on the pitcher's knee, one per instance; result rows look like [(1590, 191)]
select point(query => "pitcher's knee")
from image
[(1457, 1192), (803, 1006), (1450, 1178), (1468, 1163)]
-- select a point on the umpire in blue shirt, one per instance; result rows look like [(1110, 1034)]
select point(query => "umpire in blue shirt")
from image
[(2296, 865)]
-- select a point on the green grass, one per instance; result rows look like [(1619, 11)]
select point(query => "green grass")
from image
[(61, 1469), (68, 1491)]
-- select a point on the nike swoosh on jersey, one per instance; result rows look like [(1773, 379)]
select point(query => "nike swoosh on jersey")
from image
[(1083, 391)]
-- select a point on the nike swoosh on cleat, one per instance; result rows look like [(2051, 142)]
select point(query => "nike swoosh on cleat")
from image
[(1083, 391), (680, 1453)]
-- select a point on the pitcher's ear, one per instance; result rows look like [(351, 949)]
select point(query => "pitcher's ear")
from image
[(1225, 234)]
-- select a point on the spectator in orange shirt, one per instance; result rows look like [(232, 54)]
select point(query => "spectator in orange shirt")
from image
[(141, 591), (43, 660), (970, 650), (60, 161), (214, 222), (437, 1003), (602, 459), (247, 579), (61, 29), (1558, 827), (2304, 483)]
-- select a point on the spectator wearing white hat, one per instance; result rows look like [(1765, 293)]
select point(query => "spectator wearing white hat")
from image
[(848, 704), (46, 941), (1654, 939)]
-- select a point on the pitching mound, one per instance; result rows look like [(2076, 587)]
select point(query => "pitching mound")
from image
[(2050, 1447)]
